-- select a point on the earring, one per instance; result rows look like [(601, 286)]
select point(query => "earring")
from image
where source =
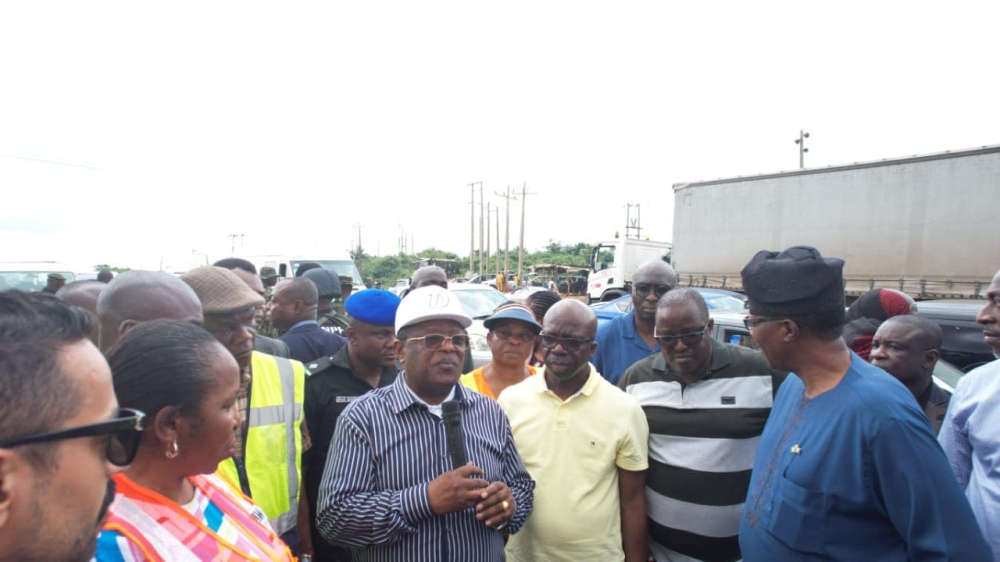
[(172, 450)]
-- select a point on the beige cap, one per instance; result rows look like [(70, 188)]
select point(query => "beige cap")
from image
[(220, 290)]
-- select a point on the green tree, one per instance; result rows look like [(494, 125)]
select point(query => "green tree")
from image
[(106, 267)]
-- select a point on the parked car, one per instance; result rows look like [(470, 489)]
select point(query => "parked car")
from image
[(31, 276), (483, 279), (479, 302), (399, 286), (728, 327), (963, 344), (716, 299), (521, 294)]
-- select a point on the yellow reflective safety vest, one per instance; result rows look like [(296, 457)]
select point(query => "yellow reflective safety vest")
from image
[(272, 452)]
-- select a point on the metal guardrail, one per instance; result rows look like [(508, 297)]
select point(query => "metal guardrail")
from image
[(920, 289)]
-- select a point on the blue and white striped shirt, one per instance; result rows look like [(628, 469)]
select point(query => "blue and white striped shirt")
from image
[(970, 436), (386, 449)]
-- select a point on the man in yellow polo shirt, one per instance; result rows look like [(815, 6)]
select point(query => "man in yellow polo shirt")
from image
[(584, 442)]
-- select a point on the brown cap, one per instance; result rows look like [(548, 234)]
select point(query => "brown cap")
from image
[(220, 290)]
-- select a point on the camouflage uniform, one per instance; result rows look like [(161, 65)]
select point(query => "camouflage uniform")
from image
[(266, 329)]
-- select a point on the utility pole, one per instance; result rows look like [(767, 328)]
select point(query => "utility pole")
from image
[(488, 237), (520, 249), (498, 242), (630, 223), (481, 232), (801, 141), (506, 250), (472, 225), (232, 243), (358, 256)]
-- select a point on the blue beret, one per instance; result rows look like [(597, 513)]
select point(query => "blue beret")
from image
[(374, 306)]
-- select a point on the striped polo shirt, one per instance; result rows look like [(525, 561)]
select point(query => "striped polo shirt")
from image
[(389, 445), (702, 441)]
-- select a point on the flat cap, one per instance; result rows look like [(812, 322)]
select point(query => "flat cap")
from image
[(57, 277), (796, 281), (220, 290), (374, 306), (267, 272)]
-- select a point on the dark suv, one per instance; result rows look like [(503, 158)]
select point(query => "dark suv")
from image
[(963, 344)]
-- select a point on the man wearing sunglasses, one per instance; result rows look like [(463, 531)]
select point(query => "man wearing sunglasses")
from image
[(848, 467), (391, 490), (706, 403), (629, 338), (62, 436), (585, 443)]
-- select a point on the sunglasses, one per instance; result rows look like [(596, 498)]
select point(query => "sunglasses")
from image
[(435, 341), (571, 345), (643, 290), (523, 337), (752, 322), (124, 433), (690, 339)]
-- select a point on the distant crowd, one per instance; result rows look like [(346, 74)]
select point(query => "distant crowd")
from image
[(231, 415)]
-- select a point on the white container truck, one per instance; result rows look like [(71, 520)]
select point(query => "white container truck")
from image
[(286, 266), (926, 225), (613, 262)]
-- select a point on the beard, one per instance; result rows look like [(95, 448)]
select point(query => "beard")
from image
[(109, 496), (81, 549)]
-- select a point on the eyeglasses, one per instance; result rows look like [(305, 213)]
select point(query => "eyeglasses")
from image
[(571, 345), (124, 433), (689, 339), (750, 322), (523, 337), (435, 341), (643, 290)]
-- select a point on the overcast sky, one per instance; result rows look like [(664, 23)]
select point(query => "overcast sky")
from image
[(132, 133)]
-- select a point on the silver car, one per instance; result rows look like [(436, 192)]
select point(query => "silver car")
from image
[(479, 302)]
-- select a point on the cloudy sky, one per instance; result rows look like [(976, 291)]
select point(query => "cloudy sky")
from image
[(133, 133)]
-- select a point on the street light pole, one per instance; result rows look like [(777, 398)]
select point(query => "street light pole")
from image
[(801, 141)]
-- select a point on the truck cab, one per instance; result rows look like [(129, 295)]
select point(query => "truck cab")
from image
[(613, 262), (286, 266)]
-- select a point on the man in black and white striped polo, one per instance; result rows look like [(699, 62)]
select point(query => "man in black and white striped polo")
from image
[(706, 403)]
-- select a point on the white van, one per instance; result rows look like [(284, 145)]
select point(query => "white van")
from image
[(286, 266), (33, 275)]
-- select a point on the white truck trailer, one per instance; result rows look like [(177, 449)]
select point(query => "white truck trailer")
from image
[(926, 225)]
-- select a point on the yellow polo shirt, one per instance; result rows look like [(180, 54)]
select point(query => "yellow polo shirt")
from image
[(573, 450)]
